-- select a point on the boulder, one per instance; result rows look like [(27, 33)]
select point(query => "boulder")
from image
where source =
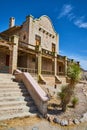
[(50, 118), (56, 120), (84, 118), (64, 122), (70, 122), (76, 121)]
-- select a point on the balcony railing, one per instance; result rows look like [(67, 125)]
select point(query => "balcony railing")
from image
[(24, 44), (47, 72), (4, 69), (60, 57), (34, 71), (61, 73), (44, 51)]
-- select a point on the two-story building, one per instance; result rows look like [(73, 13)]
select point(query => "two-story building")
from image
[(32, 47)]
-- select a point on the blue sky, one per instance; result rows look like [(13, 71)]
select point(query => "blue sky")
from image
[(69, 18)]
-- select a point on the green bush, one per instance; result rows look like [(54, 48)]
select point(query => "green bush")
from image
[(65, 96), (75, 101)]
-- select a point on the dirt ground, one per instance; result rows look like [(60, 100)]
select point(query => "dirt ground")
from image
[(18, 122), (71, 113)]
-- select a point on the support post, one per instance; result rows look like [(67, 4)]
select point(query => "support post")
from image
[(55, 65), (65, 61), (13, 54), (39, 62)]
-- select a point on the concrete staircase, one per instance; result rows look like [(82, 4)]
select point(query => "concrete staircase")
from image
[(15, 100)]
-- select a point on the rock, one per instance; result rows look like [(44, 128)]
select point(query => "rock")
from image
[(64, 122), (50, 118), (47, 116), (76, 121), (85, 115), (40, 116), (84, 118), (56, 120), (70, 122)]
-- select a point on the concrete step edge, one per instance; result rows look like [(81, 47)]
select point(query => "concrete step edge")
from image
[(19, 115)]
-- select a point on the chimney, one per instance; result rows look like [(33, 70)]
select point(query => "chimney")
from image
[(11, 22)]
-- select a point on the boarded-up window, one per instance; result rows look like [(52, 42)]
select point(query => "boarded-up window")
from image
[(53, 47), (38, 40)]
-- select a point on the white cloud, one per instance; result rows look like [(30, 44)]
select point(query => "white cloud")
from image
[(80, 23), (71, 16), (76, 57), (82, 59), (65, 10)]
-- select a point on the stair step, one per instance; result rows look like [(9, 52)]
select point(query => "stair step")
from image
[(15, 103), (20, 107), (23, 114), (12, 90), (14, 93), (17, 98), (13, 87), (9, 84)]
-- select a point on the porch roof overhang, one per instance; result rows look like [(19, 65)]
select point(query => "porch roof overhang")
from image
[(23, 50), (10, 30), (5, 46)]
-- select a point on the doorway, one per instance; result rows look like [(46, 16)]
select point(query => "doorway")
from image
[(7, 60)]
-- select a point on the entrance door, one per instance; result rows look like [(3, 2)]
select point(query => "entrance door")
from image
[(7, 60)]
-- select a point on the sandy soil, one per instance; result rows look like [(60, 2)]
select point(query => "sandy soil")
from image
[(19, 122), (71, 113)]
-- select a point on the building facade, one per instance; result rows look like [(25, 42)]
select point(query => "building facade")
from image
[(32, 47)]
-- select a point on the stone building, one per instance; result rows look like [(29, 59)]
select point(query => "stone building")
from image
[(32, 47)]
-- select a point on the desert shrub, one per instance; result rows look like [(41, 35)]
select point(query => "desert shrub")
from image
[(75, 101)]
